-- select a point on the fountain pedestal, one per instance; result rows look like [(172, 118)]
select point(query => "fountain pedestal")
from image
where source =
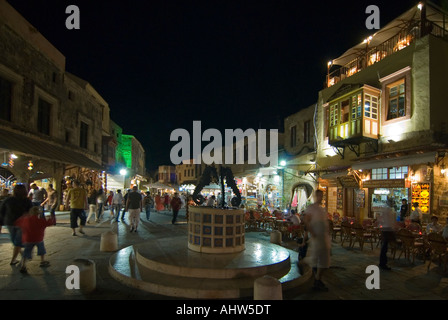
[(216, 231)]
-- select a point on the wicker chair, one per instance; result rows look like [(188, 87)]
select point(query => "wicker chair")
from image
[(408, 245), (361, 235), (334, 230), (438, 247), (347, 233)]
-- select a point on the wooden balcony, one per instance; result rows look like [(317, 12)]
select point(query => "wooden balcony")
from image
[(353, 118)]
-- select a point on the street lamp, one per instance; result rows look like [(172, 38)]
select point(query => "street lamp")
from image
[(124, 172)]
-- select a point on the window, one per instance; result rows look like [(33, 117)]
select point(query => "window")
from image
[(84, 133), (398, 173), (5, 99), (379, 174), (391, 173), (307, 132), (396, 107), (67, 136), (345, 106), (293, 137), (356, 106), (334, 119), (43, 117), (371, 106), (71, 96)]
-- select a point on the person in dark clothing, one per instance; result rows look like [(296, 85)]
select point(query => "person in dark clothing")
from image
[(404, 210), (125, 200), (176, 204), (12, 209)]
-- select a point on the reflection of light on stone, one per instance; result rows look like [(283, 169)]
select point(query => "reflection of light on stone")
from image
[(258, 252)]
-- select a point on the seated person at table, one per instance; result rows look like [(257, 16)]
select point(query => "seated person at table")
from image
[(416, 214), (445, 230), (434, 226), (294, 218)]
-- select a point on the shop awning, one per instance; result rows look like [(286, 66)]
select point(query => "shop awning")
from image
[(29, 146), (429, 157)]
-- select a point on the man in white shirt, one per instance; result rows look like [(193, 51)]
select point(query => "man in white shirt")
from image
[(211, 201), (416, 214), (317, 223), (117, 202), (386, 221)]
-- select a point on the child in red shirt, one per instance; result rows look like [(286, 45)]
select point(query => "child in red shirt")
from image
[(33, 230)]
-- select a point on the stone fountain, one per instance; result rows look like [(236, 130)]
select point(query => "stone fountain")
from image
[(214, 261)]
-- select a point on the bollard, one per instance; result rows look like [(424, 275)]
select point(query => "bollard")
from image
[(276, 237), (268, 288), (87, 275), (109, 242)]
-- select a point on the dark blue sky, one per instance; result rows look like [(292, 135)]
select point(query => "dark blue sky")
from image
[(231, 64)]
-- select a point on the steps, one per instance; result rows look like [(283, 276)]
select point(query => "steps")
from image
[(167, 267)]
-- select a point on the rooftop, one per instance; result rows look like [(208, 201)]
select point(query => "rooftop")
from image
[(403, 31)]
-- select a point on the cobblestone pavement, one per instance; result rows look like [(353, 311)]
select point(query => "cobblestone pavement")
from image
[(345, 279)]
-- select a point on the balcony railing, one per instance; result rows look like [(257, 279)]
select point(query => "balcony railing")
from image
[(372, 55)]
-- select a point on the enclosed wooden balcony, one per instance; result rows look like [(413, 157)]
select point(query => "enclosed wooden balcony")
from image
[(353, 118)]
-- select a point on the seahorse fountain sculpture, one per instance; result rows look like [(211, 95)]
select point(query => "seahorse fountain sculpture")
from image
[(210, 175)]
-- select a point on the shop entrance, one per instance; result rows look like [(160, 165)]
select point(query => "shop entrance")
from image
[(350, 207)]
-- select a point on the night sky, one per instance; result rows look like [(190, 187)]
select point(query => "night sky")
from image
[(231, 64)]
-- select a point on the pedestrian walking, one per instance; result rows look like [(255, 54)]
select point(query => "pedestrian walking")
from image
[(167, 202), (320, 242), (33, 227), (176, 204), (147, 203), (37, 196), (159, 203), (134, 205), (100, 201), (52, 199), (125, 200), (110, 196), (12, 209), (117, 203), (77, 201), (386, 221), (91, 200)]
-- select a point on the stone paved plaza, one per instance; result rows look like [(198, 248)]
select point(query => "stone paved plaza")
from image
[(346, 278)]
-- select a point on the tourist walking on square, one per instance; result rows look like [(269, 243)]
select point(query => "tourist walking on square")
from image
[(134, 206), (125, 200), (77, 201), (167, 202), (176, 204), (147, 203), (37, 196), (386, 221), (117, 203), (100, 201), (91, 200), (109, 202), (159, 203), (404, 209), (320, 242), (52, 199), (33, 227), (12, 209)]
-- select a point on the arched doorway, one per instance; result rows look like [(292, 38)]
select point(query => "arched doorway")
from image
[(301, 193)]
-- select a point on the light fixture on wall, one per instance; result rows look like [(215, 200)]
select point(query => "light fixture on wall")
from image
[(442, 170)]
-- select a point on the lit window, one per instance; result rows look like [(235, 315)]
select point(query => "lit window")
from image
[(371, 107), (397, 100)]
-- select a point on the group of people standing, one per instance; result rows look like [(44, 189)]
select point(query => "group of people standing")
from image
[(23, 215)]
